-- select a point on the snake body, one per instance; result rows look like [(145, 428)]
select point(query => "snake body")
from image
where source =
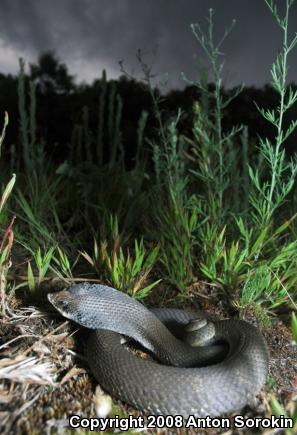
[(182, 380)]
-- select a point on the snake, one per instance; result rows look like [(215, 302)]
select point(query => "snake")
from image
[(185, 363)]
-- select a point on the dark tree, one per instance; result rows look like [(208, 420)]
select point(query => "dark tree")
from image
[(51, 76)]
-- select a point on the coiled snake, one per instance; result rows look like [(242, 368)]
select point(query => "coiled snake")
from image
[(220, 376)]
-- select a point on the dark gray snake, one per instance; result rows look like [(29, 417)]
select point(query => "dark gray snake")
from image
[(220, 377)]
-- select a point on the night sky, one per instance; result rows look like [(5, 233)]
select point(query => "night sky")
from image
[(89, 35)]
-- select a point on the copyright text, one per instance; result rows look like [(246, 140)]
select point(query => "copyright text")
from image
[(177, 421)]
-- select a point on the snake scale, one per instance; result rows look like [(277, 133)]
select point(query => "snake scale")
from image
[(219, 377)]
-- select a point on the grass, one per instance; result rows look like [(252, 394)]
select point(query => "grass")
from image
[(245, 245), (209, 208), (125, 271), (187, 203), (8, 236), (214, 212)]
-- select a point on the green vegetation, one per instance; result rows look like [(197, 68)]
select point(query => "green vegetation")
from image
[(278, 410), (8, 236), (125, 272), (208, 204)]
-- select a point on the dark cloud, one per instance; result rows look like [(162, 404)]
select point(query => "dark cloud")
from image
[(90, 35)]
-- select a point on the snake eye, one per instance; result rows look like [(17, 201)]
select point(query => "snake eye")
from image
[(64, 304)]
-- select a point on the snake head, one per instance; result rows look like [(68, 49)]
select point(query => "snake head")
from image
[(71, 300), (86, 304), (64, 302)]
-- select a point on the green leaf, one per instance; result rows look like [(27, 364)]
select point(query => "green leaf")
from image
[(31, 279), (259, 241), (7, 192), (47, 260), (145, 291), (277, 408), (38, 260), (3, 255), (6, 121)]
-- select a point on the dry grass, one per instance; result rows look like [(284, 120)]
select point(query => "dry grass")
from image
[(34, 353)]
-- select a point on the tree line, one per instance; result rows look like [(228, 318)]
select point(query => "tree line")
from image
[(63, 106)]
